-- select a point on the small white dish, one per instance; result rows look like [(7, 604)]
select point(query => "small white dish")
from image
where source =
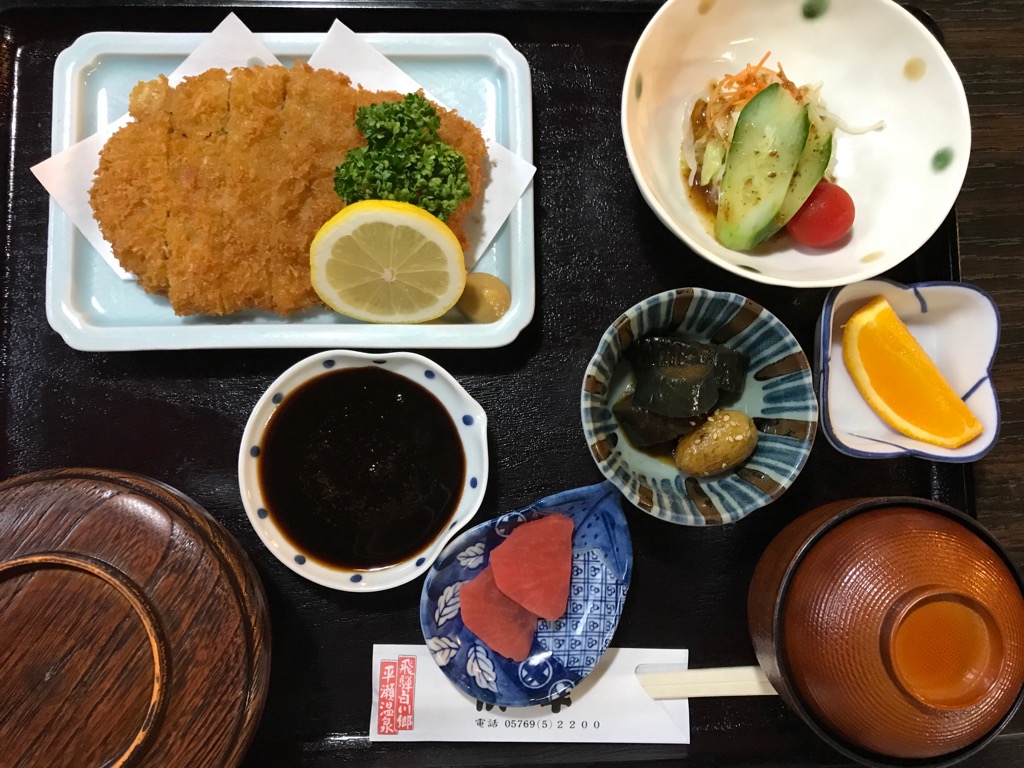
[(957, 325), (468, 418), (874, 62)]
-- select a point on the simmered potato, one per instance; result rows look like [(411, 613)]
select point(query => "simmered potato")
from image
[(726, 439)]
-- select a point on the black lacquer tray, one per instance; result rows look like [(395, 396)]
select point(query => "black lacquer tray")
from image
[(178, 416)]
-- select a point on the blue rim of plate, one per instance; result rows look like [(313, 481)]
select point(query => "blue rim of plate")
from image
[(823, 345), (778, 395), (565, 651)]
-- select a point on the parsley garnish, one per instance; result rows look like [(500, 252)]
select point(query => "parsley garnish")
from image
[(404, 159)]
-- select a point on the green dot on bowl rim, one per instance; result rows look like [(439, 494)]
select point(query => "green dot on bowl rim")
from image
[(812, 9), (942, 159)]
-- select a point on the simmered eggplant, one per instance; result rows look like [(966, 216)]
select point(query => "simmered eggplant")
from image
[(644, 428), (730, 365), (683, 390), (676, 387)]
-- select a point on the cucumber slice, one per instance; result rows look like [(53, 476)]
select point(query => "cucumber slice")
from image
[(714, 156), (766, 146), (809, 171)]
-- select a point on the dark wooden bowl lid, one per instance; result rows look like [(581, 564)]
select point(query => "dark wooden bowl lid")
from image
[(134, 627)]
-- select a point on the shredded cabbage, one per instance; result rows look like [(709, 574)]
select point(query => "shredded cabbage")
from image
[(721, 102)]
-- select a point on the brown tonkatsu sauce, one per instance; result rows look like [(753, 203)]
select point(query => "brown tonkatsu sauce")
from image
[(361, 468)]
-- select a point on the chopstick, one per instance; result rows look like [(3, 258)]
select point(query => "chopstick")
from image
[(661, 683)]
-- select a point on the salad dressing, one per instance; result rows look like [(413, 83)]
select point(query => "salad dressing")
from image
[(703, 201), (703, 198)]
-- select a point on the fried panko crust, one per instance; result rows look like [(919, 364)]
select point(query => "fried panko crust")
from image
[(213, 193)]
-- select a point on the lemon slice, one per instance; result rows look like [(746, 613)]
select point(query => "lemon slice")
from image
[(387, 262), (900, 381)]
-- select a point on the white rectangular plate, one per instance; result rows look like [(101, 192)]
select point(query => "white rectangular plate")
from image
[(480, 75)]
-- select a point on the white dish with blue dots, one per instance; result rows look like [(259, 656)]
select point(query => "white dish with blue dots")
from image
[(467, 415), (564, 651)]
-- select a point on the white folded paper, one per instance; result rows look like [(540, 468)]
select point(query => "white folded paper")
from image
[(414, 701)]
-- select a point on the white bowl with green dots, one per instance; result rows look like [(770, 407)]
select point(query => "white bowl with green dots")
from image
[(874, 61)]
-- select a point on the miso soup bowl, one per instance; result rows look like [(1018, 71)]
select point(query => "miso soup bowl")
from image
[(894, 627), (469, 421)]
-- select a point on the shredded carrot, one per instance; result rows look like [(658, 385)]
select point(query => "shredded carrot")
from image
[(734, 91)]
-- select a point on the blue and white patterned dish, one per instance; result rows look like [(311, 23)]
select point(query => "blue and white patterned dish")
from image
[(958, 326), (467, 415), (778, 395), (564, 651)]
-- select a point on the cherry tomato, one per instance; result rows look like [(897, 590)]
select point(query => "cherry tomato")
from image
[(824, 218)]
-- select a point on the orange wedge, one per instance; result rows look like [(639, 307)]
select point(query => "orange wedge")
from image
[(900, 382)]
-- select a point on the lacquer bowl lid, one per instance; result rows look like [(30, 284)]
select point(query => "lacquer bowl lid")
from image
[(903, 632), (135, 629)]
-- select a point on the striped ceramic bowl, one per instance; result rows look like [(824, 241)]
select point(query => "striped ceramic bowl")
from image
[(778, 395)]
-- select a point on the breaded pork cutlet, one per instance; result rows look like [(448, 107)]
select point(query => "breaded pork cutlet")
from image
[(213, 193), (134, 213)]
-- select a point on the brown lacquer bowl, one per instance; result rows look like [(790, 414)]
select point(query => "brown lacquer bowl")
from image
[(894, 627)]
